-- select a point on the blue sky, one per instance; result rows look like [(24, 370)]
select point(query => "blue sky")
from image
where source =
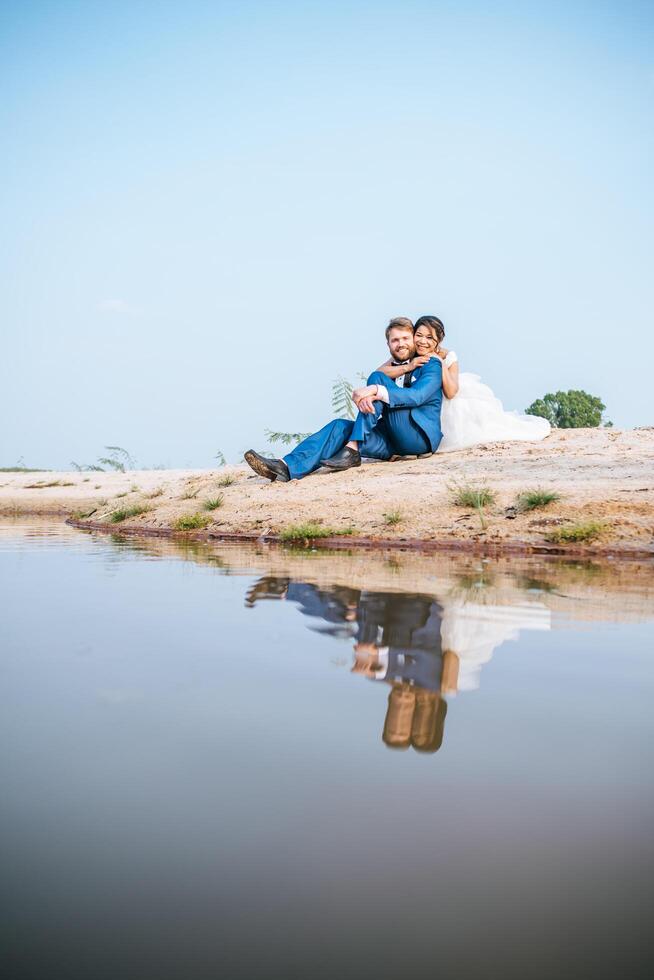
[(210, 210)]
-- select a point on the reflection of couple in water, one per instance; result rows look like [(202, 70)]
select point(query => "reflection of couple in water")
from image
[(415, 404), (423, 648)]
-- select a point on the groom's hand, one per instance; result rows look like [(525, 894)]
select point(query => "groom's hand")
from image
[(366, 405), (363, 398)]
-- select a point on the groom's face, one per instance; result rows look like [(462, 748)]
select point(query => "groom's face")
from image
[(400, 343)]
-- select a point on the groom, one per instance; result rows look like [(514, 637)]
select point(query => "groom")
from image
[(392, 420)]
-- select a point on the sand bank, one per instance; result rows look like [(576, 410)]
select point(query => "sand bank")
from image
[(602, 475)]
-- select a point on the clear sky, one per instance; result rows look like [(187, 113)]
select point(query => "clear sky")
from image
[(211, 209)]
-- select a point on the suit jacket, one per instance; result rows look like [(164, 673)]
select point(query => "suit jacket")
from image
[(410, 627), (423, 399)]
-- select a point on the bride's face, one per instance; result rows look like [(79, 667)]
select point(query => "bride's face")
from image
[(425, 341)]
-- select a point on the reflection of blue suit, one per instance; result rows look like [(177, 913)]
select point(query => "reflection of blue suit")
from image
[(330, 605), (410, 627), (409, 425)]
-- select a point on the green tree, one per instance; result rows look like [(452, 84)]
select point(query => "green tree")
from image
[(569, 410)]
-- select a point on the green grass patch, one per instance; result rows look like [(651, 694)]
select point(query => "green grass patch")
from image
[(117, 516), (190, 494), (305, 532), (578, 533), (227, 480), (192, 522), (533, 499), (80, 515), (476, 497), (22, 469), (393, 517), (214, 503), (473, 497)]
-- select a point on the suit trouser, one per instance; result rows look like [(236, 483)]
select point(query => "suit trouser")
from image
[(387, 433)]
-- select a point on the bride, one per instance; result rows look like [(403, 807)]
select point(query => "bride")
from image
[(471, 414)]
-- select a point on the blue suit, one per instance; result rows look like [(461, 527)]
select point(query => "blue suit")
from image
[(409, 425)]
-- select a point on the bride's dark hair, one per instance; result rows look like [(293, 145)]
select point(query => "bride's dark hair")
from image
[(435, 325)]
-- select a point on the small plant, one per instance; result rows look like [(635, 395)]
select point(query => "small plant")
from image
[(214, 503), (117, 516), (588, 531), (87, 479), (120, 460), (80, 515), (81, 468), (134, 488), (474, 497), (19, 467), (192, 522), (155, 493), (393, 517), (119, 495), (309, 530), (190, 493), (532, 499), (227, 480)]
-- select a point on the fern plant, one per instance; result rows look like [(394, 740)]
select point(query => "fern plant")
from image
[(342, 404), (286, 438)]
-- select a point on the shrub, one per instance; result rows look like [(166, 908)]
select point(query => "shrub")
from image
[(214, 503), (588, 531), (192, 522), (304, 532), (569, 410), (117, 516), (393, 517)]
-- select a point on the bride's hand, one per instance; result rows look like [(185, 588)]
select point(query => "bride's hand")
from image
[(418, 361)]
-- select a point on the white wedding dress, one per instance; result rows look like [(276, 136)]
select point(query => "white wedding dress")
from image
[(476, 416)]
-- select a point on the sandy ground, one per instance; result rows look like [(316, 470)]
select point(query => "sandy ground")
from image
[(603, 475)]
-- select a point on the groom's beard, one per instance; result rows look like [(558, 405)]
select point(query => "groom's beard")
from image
[(402, 358)]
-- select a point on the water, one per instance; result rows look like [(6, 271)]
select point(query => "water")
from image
[(229, 762)]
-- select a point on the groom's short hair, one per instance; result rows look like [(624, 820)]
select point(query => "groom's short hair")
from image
[(399, 323)]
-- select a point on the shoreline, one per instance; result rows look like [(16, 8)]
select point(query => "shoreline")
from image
[(600, 477), (421, 546)]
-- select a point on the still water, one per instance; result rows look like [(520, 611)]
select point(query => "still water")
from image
[(258, 763)]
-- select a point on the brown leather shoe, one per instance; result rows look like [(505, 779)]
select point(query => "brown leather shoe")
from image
[(343, 459), (270, 469)]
